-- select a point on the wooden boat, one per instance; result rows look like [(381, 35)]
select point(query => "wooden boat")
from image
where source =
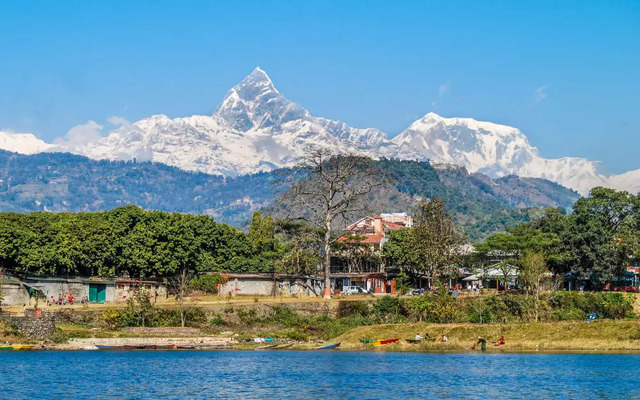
[(6, 347), (269, 346), (385, 342), (136, 347), (108, 347), (282, 347), (188, 347), (165, 346), (24, 347), (413, 341), (367, 341), (328, 347)]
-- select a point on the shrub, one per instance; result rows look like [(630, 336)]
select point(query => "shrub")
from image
[(111, 318), (297, 335), (217, 320), (207, 283), (59, 336), (435, 307), (389, 309), (348, 308)]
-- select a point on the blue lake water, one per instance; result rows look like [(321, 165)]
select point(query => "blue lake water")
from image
[(315, 375)]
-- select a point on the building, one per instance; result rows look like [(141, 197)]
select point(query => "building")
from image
[(360, 261), (26, 290)]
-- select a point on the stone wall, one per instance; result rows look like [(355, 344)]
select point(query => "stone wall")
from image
[(33, 327)]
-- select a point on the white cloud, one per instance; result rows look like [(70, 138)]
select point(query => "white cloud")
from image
[(444, 88), (81, 134), (540, 93), (434, 103), (118, 121)]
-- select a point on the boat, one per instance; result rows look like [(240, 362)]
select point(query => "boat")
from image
[(6, 347), (269, 346), (187, 347), (24, 347), (108, 347), (328, 347), (139, 346), (282, 347), (384, 342), (367, 341), (165, 346), (413, 341)]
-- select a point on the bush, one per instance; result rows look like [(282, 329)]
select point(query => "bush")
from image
[(612, 305), (297, 335), (217, 320), (111, 318), (207, 283), (349, 308), (59, 336), (389, 309), (439, 307)]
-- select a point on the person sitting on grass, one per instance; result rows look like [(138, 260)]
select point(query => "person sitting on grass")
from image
[(418, 337), (592, 317), (444, 338), (500, 341)]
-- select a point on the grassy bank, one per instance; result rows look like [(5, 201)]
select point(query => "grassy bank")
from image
[(606, 335)]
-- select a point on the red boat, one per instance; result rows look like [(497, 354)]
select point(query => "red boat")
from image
[(384, 342)]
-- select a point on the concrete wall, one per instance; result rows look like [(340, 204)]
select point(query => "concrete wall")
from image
[(124, 290), (263, 286), (13, 294)]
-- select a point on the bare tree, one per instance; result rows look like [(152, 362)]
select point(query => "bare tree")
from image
[(335, 187), (181, 286)]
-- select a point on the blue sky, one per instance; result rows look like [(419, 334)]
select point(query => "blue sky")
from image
[(566, 73)]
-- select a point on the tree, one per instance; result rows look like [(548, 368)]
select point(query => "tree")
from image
[(181, 286), (336, 186), (533, 267), (434, 241)]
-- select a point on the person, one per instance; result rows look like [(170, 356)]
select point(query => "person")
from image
[(592, 317), (444, 338), (482, 342), (500, 341), (418, 337)]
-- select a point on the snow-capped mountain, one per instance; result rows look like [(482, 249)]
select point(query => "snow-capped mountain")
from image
[(495, 150), (23, 143), (257, 129)]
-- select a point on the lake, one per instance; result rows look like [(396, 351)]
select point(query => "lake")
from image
[(315, 375)]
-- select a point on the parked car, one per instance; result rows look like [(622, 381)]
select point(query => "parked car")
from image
[(349, 290)]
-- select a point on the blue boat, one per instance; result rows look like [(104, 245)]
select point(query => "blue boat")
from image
[(328, 347), (106, 347)]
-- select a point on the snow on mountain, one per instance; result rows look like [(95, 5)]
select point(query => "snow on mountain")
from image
[(495, 150), (255, 129), (23, 143)]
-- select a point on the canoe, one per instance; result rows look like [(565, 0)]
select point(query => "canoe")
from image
[(6, 347), (328, 347), (269, 346), (367, 341), (282, 347), (385, 342), (107, 347), (165, 346), (24, 347), (185, 347), (413, 341)]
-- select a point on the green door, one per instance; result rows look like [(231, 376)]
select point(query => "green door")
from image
[(97, 293), (93, 293), (102, 293)]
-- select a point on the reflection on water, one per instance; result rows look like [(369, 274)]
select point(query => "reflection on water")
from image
[(315, 375)]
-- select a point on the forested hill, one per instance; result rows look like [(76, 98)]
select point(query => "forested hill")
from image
[(63, 182)]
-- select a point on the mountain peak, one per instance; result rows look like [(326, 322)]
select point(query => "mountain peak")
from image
[(255, 103)]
